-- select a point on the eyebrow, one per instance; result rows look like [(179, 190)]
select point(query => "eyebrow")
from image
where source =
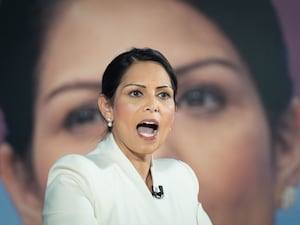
[(143, 86), (208, 62), (73, 86)]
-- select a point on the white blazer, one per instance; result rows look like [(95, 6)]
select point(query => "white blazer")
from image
[(104, 188)]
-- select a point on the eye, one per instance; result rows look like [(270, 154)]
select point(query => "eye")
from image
[(164, 95), (202, 99), (82, 116), (135, 93)]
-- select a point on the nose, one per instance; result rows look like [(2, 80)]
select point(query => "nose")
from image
[(151, 106)]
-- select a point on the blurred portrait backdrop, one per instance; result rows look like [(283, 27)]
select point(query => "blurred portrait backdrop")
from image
[(238, 118)]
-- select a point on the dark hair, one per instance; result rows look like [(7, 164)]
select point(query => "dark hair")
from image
[(114, 72), (19, 53), (23, 29)]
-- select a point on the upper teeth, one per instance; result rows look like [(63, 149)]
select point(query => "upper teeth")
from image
[(147, 122)]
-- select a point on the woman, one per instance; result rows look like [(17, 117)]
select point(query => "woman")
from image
[(225, 127), (119, 182)]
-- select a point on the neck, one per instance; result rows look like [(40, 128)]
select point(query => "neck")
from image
[(143, 167)]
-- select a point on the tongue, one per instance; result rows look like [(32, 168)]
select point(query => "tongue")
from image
[(145, 130)]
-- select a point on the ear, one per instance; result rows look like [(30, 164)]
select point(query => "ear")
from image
[(288, 153), (15, 178), (105, 107)]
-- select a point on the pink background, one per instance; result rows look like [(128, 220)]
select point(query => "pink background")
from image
[(289, 12)]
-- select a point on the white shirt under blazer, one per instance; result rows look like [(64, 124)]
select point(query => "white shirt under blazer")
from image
[(104, 188)]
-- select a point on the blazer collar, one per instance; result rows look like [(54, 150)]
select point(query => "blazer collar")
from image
[(110, 148)]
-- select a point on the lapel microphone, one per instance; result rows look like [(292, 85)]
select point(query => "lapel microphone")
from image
[(158, 192)]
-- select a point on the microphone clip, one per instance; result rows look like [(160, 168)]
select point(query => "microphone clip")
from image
[(158, 192)]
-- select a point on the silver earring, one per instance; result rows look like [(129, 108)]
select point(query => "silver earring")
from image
[(288, 197), (109, 123)]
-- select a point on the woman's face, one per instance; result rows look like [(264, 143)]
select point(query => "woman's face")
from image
[(143, 110), (220, 128)]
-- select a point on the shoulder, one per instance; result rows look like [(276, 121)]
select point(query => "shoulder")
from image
[(75, 161), (74, 166), (82, 163), (83, 168)]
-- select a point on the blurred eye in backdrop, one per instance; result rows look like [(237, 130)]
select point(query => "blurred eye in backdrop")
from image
[(201, 99), (211, 88), (84, 120)]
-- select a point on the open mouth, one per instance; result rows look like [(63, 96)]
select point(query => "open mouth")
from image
[(147, 128)]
